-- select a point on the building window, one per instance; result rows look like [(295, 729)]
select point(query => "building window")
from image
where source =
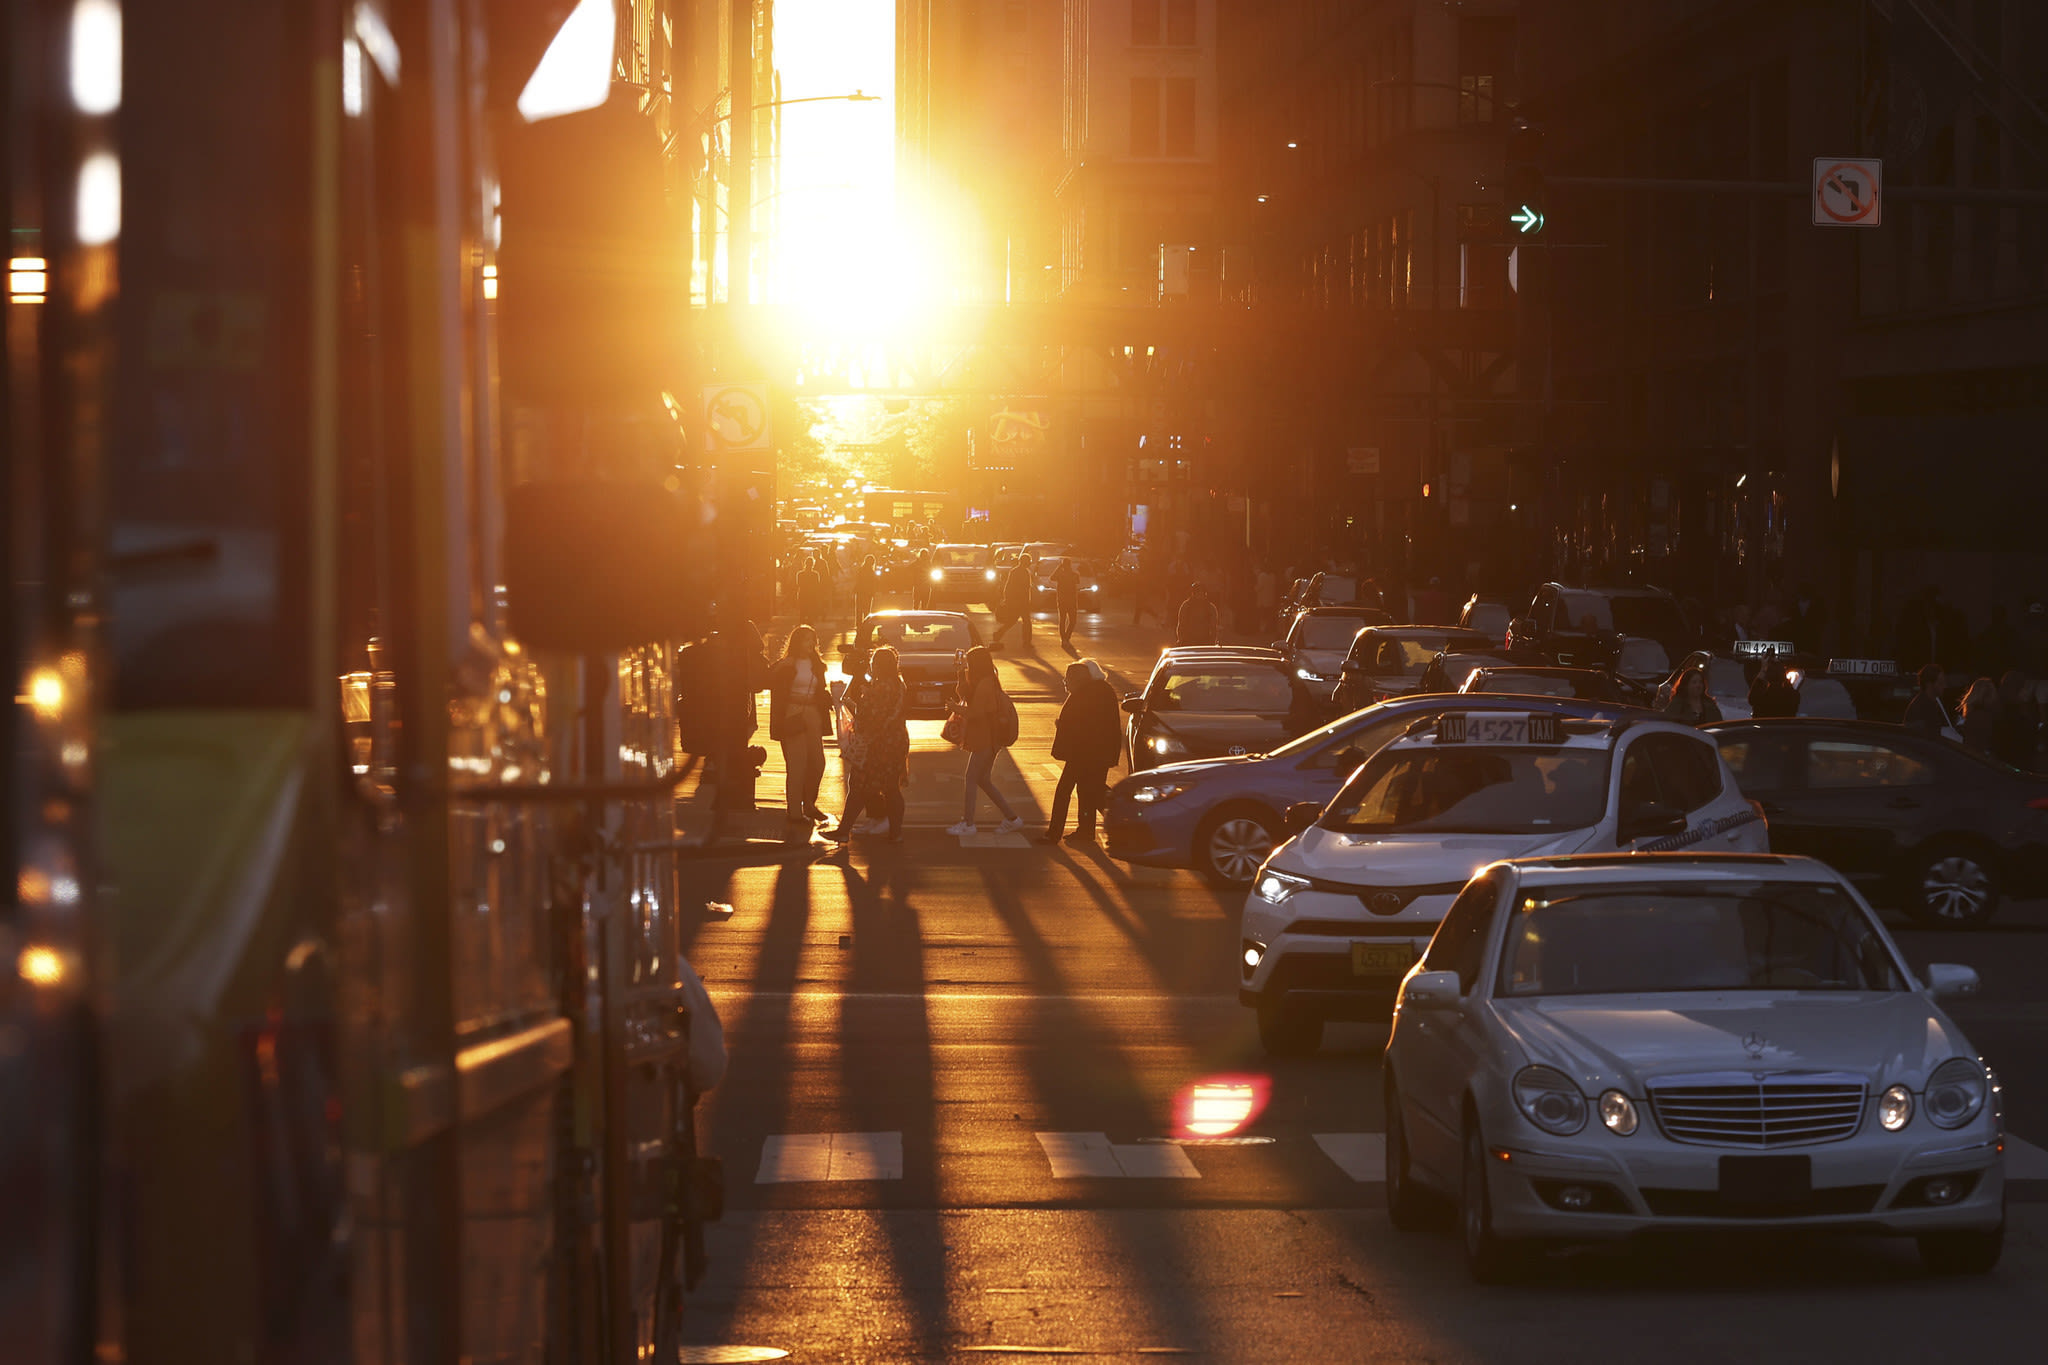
[(1180, 23), (1144, 116), (1486, 49), (1145, 23), (1180, 116)]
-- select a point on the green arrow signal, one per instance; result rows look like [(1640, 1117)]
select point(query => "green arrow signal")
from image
[(1527, 220)]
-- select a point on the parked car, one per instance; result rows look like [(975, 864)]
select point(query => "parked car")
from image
[(1222, 816), (1594, 1048), (1388, 661), (1926, 824)]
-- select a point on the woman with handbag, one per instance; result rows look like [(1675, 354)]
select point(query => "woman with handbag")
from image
[(877, 748), (798, 712), (987, 725)]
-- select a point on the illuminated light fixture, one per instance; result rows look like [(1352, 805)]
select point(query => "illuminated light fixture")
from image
[(28, 279), (1741, 480), (99, 199), (96, 56), (575, 73), (490, 281), (351, 78), (1262, 199), (375, 36), (1219, 1106), (40, 966), (1292, 145), (45, 694)]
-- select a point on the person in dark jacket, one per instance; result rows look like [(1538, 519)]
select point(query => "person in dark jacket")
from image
[(799, 713), (739, 671), (864, 579), (878, 749), (1925, 714), (1017, 590), (1977, 716), (1690, 701), (1197, 622), (1773, 693), (1066, 587), (1087, 739), (810, 592), (921, 579)]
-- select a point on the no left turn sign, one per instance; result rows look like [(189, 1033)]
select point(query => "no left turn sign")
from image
[(736, 417), (1848, 192)]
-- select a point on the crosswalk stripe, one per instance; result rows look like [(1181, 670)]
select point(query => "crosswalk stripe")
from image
[(1075, 1156), (1362, 1156), (2024, 1161), (789, 1158)]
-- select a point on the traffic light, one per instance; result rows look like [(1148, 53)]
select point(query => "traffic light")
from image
[(1523, 182)]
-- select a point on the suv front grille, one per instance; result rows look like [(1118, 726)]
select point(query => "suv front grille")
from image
[(1740, 1110)]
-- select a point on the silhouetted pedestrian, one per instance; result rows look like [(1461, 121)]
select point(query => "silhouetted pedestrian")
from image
[(1088, 740), (1773, 692), (1066, 588), (1196, 624), (987, 726), (1925, 714), (798, 712)]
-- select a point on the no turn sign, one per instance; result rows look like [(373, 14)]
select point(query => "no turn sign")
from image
[(736, 417), (1848, 191)]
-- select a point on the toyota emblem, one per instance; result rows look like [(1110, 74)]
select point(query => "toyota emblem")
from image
[(1384, 903)]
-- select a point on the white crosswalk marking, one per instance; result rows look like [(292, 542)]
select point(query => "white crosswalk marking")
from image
[(794, 1157), (1075, 1156), (1362, 1156), (2024, 1161)]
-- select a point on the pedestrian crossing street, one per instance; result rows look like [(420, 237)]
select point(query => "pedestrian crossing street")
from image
[(801, 1158)]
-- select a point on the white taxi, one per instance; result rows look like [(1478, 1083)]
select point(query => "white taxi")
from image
[(1598, 1046), (1338, 914)]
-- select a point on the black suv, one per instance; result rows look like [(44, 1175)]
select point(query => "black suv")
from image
[(1584, 627)]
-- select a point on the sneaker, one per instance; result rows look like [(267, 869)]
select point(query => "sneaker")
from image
[(964, 827), (1011, 825)]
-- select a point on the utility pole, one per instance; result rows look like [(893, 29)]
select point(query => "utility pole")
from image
[(739, 250)]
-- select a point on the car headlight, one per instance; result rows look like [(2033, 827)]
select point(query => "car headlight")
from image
[(1618, 1112), (1308, 675), (1549, 1099), (1165, 744), (938, 575), (989, 574), (1895, 1108), (1094, 587), (1154, 792), (1275, 887), (1956, 1093)]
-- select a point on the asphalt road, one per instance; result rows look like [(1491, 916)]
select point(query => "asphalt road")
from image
[(954, 1071)]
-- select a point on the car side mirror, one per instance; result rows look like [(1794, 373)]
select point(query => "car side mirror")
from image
[(1522, 627), (1430, 990), (1947, 980), (1134, 705), (1349, 666), (1300, 816), (1650, 820)]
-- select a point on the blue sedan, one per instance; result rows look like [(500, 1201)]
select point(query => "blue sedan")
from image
[(1222, 816)]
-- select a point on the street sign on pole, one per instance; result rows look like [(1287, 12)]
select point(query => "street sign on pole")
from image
[(1848, 191), (736, 418)]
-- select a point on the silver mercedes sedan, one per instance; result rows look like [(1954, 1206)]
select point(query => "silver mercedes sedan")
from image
[(1596, 1046)]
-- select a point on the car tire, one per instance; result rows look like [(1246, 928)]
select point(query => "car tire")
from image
[(1489, 1257), (1952, 886), (1963, 1252), (1230, 845), (1404, 1199), (1284, 1032)]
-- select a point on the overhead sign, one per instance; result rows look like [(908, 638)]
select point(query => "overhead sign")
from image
[(736, 417), (1848, 192)]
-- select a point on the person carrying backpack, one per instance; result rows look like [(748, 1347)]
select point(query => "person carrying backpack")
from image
[(986, 721)]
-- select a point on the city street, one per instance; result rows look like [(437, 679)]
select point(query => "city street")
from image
[(954, 1072)]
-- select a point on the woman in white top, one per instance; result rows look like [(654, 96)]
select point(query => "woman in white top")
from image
[(798, 713)]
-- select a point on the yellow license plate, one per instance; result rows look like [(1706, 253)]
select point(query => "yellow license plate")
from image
[(1381, 959)]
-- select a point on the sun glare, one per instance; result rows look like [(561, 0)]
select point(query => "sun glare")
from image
[(848, 252)]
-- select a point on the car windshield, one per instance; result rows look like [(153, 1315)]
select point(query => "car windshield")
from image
[(1408, 654), (1477, 790), (1655, 616), (915, 635), (1642, 657), (1488, 618), (1252, 687), (1723, 936), (1328, 632), (959, 556)]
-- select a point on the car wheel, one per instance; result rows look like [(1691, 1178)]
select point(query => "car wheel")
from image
[(1965, 1252), (1404, 1200), (1489, 1258), (1953, 886), (1288, 1033), (1231, 845)]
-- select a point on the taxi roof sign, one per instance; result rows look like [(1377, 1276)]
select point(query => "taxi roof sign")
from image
[(1863, 668), (1763, 647), (1498, 727)]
